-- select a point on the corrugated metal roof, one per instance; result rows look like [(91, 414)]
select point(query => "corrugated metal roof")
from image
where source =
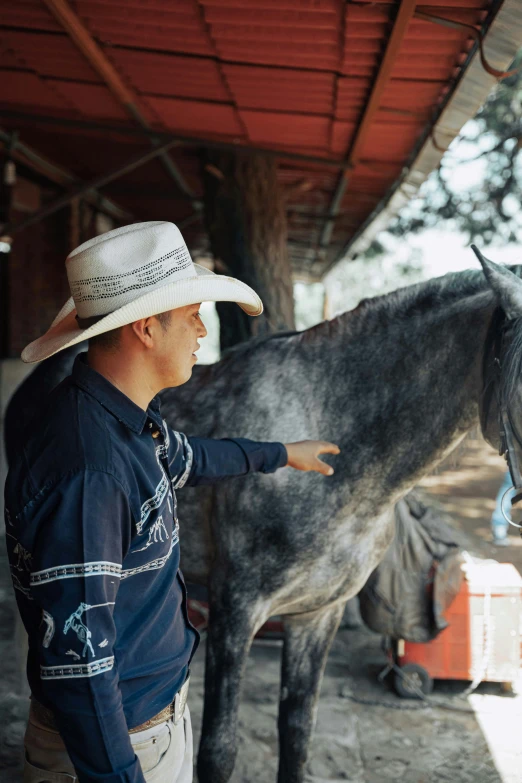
[(294, 76)]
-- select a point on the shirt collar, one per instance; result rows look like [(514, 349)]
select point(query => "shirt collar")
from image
[(115, 401)]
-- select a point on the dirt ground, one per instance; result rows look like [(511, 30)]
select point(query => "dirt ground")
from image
[(365, 733)]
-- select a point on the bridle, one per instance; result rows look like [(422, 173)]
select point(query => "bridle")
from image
[(507, 449), (508, 433)]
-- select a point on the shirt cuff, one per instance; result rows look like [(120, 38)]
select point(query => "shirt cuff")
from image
[(283, 456), (275, 456)]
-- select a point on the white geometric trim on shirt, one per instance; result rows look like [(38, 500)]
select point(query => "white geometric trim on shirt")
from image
[(163, 449), (78, 670), (153, 502), (180, 481), (152, 565), (95, 568)]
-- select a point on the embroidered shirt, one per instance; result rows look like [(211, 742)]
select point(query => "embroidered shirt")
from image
[(93, 544)]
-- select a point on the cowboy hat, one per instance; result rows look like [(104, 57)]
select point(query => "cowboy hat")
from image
[(131, 273)]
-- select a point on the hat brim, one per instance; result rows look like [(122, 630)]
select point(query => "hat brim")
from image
[(204, 287)]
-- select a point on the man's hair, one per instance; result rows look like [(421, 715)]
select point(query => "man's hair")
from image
[(110, 341)]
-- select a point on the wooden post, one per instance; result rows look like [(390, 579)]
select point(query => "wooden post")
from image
[(7, 183), (246, 222)]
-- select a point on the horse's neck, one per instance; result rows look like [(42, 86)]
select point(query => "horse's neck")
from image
[(413, 387)]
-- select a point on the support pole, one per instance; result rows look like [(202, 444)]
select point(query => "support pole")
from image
[(246, 222), (7, 183)]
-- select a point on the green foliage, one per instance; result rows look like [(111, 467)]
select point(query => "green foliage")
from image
[(489, 209)]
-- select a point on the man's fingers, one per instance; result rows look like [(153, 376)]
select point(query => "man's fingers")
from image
[(325, 447), (328, 448), (323, 468)]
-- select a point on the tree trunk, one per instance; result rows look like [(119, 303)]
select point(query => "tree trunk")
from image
[(246, 222)]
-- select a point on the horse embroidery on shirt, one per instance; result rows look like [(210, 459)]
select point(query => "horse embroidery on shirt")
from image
[(78, 626), (156, 532), (49, 631), (23, 556), (23, 562), (19, 586)]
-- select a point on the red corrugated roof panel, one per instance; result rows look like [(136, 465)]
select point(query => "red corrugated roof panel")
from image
[(342, 135), (49, 55), (28, 13), (390, 141), (25, 90), (91, 100), (176, 27), (197, 117), (173, 75), (277, 88), (286, 129), (292, 75)]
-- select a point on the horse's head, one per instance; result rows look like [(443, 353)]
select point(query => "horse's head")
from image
[(501, 403)]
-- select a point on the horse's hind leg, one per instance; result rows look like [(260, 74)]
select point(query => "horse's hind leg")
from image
[(307, 640), (233, 621)]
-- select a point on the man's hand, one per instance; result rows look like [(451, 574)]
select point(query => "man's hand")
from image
[(304, 455)]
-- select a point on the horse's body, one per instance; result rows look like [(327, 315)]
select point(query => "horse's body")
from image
[(396, 383)]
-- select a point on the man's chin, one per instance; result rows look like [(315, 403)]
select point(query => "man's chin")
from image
[(187, 376), (180, 379)]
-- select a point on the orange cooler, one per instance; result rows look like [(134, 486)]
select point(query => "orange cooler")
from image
[(483, 638)]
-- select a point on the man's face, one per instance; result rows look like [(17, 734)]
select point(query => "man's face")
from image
[(176, 345)]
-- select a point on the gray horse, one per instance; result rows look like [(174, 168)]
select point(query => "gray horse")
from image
[(397, 384)]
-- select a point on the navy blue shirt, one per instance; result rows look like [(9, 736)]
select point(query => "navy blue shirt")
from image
[(93, 544)]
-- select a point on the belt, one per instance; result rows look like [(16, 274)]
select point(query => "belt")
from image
[(174, 711)]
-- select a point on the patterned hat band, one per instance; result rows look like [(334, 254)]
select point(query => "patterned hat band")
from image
[(108, 292)]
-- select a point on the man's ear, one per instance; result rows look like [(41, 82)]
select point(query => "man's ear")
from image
[(506, 285), (143, 331)]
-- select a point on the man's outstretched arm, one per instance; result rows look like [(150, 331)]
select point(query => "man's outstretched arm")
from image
[(197, 461)]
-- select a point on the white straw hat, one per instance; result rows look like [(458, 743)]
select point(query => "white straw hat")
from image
[(131, 273)]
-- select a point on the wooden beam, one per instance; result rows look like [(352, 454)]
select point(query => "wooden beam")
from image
[(135, 162), (353, 154), (402, 20), (94, 54), (34, 160)]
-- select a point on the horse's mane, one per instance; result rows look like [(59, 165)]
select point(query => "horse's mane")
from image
[(405, 303), (411, 300), (511, 361), (419, 298)]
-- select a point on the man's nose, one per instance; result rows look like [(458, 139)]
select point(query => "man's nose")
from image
[(202, 330)]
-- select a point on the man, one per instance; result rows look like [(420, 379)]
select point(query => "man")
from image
[(92, 530)]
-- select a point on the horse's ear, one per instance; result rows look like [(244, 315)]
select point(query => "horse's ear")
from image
[(506, 285)]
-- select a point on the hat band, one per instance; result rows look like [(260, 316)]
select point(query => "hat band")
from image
[(84, 323)]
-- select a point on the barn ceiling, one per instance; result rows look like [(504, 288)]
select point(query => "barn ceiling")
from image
[(344, 94)]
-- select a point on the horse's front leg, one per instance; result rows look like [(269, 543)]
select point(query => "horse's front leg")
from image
[(233, 620), (307, 640)]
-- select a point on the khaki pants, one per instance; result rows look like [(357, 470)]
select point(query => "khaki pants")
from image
[(165, 753)]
